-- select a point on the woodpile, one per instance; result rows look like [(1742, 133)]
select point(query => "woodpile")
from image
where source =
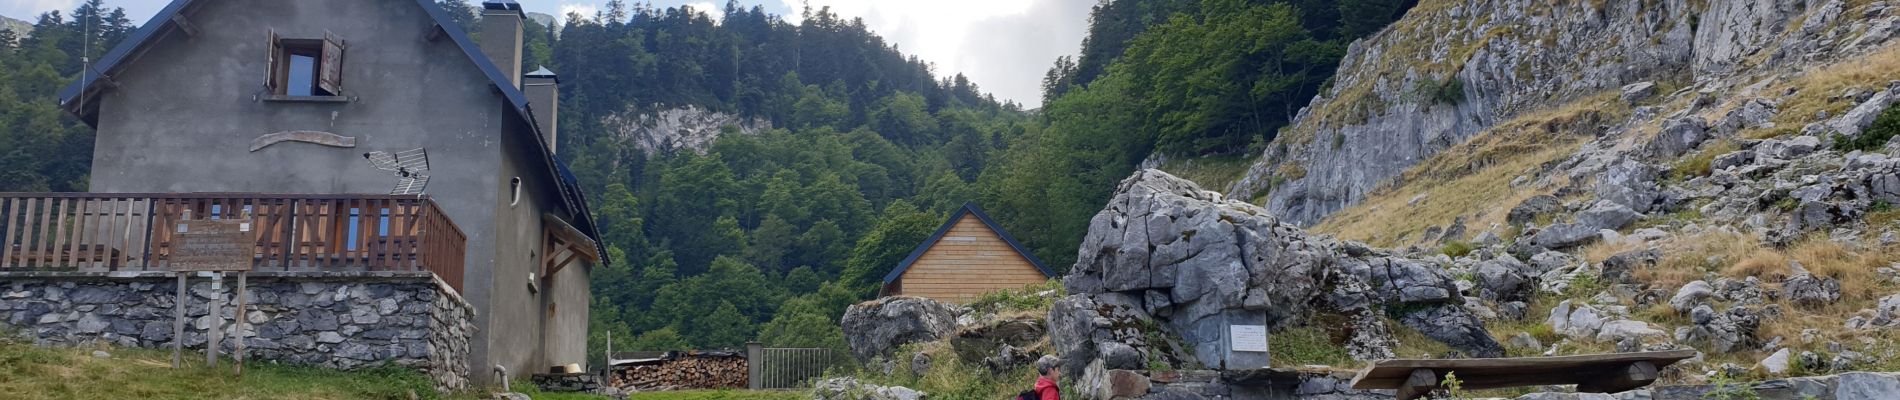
[(681, 370)]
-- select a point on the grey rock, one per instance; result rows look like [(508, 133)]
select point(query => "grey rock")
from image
[(1622, 267), (1564, 236), (1809, 290), (1630, 183), (1732, 159), (1456, 328), (1777, 363), (1638, 91), (852, 389), (1861, 116), (1525, 341), (919, 364), (1504, 279), (1679, 136), (1607, 215), (1867, 385), (876, 327), (1531, 208), (1690, 295), (1788, 149), (1623, 329)]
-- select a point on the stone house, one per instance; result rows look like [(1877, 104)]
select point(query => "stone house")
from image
[(365, 140), (968, 256)]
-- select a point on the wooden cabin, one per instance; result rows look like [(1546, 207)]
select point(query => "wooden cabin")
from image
[(968, 256)]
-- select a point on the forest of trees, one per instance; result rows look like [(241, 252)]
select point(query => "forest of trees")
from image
[(770, 236)]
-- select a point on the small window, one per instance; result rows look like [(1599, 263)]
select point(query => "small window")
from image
[(306, 67), (514, 191)]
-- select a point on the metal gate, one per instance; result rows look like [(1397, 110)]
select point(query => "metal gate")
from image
[(784, 368)]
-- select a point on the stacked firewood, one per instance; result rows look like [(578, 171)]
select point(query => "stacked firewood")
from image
[(682, 371)]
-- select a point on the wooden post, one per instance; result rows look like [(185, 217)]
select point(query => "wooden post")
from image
[(755, 363), (1420, 383), (1634, 375), (178, 324), (214, 335), (238, 355)]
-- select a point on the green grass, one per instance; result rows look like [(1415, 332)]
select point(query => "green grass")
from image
[(718, 395), (32, 372), (1698, 164), (1455, 249), (1212, 173), (73, 373), (1024, 299), (1307, 346)]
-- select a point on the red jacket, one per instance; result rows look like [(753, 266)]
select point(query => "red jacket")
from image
[(1046, 389)]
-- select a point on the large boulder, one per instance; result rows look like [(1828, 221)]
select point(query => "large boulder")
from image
[(1504, 279), (1564, 236), (875, 328), (1809, 290), (1690, 295), (1607, 215), (1196, 263), (1630, 183)]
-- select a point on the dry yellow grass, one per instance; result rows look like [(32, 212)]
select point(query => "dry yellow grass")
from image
[(1473, 179), (1816, 90)]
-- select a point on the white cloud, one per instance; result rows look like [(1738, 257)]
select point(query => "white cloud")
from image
[(1002, 45), (715, 12), (586, 10)]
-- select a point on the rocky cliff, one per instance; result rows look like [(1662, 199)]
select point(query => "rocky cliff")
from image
[(672, 130), (1452, 69)]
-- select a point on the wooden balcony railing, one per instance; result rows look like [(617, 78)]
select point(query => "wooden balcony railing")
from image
[(295, 232)]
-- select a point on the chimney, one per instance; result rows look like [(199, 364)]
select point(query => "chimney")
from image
[(501, 37), (544, 98)]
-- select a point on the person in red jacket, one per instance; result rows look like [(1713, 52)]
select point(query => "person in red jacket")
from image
[(1050, 369)]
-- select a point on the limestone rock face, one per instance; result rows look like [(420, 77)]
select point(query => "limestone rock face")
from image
[(673, 130), (875, 328), (1195, 263), (1381, 129)]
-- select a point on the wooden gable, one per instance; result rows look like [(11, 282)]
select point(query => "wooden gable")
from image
[(969, 256)]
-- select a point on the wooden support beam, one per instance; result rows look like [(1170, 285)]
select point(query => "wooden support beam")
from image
[(572, 238), (1421, 382), (185, 25), (1634, 375), (556, 267)]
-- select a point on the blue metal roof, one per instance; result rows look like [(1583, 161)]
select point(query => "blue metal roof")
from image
[(571, 196), (968, 209)]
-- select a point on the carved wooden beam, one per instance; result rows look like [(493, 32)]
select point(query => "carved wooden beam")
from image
[(313, 137)]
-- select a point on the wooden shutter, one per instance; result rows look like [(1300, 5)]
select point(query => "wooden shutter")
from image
[(331, 78), (274, 62)]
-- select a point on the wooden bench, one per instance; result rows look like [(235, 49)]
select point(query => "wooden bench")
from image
[(1595, 373)]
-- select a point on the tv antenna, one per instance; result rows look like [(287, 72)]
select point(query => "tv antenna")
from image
[(410, 166)]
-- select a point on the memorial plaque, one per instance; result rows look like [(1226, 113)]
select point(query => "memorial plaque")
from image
[(1248, 337), (216, 245)]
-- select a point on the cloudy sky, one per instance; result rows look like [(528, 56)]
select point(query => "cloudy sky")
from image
[(1002, 45)]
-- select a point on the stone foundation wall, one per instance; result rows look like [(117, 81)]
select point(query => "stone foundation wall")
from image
[(334, 320)]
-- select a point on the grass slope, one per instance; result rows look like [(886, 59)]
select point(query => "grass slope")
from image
[(31, 372)]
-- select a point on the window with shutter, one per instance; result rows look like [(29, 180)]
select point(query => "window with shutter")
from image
[(306, 68), (272, 79), (330, 75)]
